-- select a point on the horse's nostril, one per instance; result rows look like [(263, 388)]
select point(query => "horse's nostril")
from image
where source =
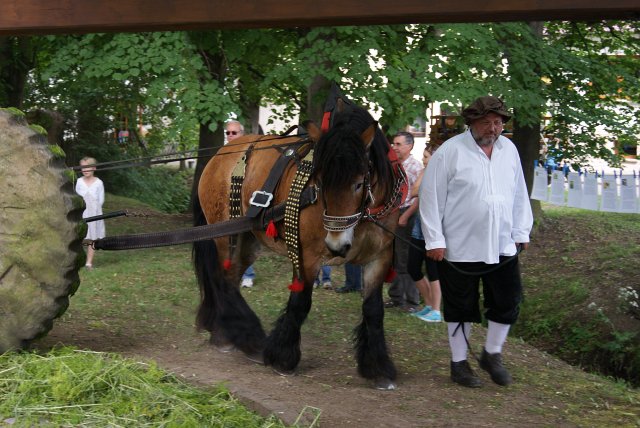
[(340, 252)]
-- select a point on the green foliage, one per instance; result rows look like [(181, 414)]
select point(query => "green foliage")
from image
[(595, 87), (107, 82), (581, 74), (38, 129), (164, 188), (68, 387), (14, 111), (56, 150)]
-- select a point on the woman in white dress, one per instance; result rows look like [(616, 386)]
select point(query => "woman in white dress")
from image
[(91, 189)]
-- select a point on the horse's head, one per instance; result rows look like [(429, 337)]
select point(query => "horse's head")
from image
[(342, 169)]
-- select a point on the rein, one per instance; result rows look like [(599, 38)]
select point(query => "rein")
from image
[(203, 153)]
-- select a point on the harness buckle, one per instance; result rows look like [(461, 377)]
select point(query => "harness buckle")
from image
[(260, 198)]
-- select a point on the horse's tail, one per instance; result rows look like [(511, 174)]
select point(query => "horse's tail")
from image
[(223, 311), (208, 272)]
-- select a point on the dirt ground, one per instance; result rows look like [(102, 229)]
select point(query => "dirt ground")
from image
[(331, 387)]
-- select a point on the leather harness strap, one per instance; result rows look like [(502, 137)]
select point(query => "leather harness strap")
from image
[(262, 198), (200, 233)]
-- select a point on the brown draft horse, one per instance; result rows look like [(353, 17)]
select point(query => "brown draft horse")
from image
[(355, 179)]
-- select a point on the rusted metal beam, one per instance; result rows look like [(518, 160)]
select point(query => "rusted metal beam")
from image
[(84, 16)]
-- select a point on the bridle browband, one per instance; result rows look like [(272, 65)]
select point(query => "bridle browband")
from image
[(333, 223)]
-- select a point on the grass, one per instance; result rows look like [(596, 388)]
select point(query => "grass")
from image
[(574, 281), (68, 387)]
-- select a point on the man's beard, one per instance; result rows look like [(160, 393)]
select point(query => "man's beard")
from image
[(484, 141)]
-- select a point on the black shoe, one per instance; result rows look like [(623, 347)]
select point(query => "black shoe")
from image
[(462, 374), (492, 363), (392, 304), (346, 289)]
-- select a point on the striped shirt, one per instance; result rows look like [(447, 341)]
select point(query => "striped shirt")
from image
[(413, 168)]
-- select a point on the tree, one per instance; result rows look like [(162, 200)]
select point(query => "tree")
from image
[(583, 75), (17, 55)]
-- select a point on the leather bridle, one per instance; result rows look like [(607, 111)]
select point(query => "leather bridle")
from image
[(342, 223)]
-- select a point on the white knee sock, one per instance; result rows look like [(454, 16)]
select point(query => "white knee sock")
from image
[(496, 336), (457, 342)]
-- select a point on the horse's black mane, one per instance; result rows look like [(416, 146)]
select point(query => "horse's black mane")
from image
[(340, 154)]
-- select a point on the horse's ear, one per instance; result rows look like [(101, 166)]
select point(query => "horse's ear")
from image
[(314, 132), (369, 134)]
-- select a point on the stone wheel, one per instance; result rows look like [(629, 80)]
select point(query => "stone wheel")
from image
[(40, 233)]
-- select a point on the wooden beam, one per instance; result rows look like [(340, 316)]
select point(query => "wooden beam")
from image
[(84, 16)]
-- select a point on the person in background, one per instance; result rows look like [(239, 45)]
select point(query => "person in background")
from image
[(403, 292), (476, 214), (429, 290), (324, 278), (91, 189), (233, 130), (352, 279)]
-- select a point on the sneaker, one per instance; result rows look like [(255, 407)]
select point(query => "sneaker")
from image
[(433, 316), (462, 374), (492, 363), (316, 284), (327, 285), (423, 311), (247, 283)]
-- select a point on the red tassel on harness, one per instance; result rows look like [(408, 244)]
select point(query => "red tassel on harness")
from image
[(226, 264), (296, 286), (391, 275), (271, 231), (326, 118)]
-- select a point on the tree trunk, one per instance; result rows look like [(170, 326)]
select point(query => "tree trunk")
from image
[(207, 140), (527, 141), (16, 59), (316, 96), (251, 110)]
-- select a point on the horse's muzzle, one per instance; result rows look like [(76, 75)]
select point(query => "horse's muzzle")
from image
[(339, 243), (341, 252)]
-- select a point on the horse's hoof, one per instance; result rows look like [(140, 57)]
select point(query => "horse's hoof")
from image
[(256, 357), (225, 349), (221, 343), (385, 385), (285, 373)]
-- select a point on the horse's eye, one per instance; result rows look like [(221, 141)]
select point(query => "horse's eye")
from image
[(359, 186)]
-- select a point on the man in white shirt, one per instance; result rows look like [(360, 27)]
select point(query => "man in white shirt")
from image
[(475, 210)]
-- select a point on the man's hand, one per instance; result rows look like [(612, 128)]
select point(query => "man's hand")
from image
[(436, 254), (525, 245), (403, 219)]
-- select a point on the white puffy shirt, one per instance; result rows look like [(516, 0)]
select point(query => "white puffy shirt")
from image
[(475, 207)]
